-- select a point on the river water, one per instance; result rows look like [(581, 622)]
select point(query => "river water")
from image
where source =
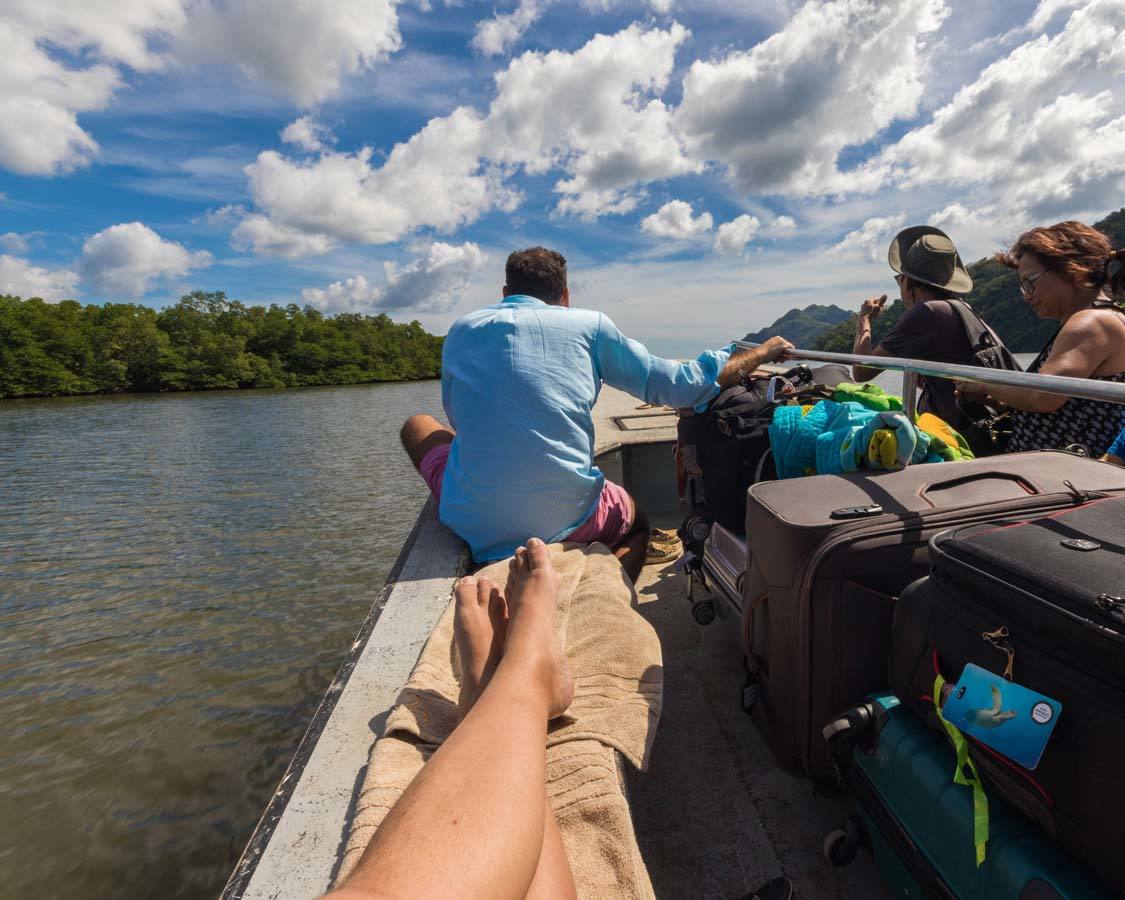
[(179, 579)]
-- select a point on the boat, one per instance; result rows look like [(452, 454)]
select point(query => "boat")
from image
[(713, 815)]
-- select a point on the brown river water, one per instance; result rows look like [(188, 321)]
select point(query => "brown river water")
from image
[(180, 576)]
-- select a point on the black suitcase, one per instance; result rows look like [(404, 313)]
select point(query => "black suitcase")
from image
[(1041, 601)]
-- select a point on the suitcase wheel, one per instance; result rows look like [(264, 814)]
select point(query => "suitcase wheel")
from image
[(704, 612), (841, 845)]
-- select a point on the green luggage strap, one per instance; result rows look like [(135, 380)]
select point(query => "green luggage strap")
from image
[(980, 800)]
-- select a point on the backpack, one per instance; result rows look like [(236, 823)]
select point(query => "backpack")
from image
[(987, 348), (732, 444), (986, 427)]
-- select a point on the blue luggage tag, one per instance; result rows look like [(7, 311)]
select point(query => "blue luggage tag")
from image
[(1003, 715)]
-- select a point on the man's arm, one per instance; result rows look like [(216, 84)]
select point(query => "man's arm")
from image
[(861, 346), (625, 364), (748, 360)]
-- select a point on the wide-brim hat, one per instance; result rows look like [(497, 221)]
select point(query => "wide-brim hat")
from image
[(926, 254)]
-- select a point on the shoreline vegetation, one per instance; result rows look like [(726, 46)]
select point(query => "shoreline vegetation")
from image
[(204, 342)]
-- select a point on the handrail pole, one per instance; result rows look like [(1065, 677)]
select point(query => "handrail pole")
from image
[(1085, 388), (910, 395)]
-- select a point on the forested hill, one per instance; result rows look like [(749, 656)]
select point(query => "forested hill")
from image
[(801, 326), (995, 297), (204, 342)]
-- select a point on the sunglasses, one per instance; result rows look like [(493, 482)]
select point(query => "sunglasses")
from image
[(1027, 285)]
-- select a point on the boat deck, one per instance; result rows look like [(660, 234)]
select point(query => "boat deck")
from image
[(714, 816)]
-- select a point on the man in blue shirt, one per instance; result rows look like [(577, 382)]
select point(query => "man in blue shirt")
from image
[(519, 381)]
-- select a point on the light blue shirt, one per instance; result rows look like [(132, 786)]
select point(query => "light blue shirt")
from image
[(518, 381)]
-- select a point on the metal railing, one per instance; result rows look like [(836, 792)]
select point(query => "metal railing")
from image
[(1086, 388)]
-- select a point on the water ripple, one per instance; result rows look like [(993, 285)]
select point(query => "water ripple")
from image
[(179, 578)]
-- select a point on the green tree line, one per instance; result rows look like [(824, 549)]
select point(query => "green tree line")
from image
[(204, 342), (995, 297)]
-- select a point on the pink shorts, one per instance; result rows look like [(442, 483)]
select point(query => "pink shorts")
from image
[(608, 524)]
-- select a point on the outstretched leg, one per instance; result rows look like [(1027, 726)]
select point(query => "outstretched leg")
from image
[(480, 628), (472, 822)]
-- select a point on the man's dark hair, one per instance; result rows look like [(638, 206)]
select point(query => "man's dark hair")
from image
[(536, 272)]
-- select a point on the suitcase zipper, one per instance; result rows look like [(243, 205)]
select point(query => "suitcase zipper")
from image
[(998, 639)]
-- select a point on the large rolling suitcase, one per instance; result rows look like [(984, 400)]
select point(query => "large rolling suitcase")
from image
[(1042, 603), (919, 823), (830, 554)]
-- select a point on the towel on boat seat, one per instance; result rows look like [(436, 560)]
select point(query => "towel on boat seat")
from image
[(615, 658)]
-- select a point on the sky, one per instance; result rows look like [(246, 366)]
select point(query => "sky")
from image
[(704, 165)]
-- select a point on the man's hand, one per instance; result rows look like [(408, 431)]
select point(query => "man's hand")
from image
[(872, 307), (776, 349)]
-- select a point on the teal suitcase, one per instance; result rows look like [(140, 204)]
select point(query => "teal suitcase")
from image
[(918, 824)]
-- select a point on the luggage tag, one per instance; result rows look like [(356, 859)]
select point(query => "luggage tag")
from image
[(1003, 715)]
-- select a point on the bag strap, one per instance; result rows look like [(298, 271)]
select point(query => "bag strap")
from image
[(975, 325)]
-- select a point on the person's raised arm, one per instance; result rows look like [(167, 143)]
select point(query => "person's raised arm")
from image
[(861, 346)]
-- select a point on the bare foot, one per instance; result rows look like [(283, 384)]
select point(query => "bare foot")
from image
[(532, 595), (479, 628)]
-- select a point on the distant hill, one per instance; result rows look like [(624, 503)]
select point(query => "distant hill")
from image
[(995, 297), (803, 325)]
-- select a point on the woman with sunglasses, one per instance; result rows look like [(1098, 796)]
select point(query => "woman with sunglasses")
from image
[(1068, 272)]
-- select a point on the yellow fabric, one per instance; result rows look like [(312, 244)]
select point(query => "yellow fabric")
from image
[(972, 780), (938, 428), (617, 702), (882, 450)]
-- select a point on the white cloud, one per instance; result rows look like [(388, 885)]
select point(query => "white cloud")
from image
[(40, 99), (131, 32), (675, 220), (263, 236), (65, 57), (21, 278), (871, 239), (783, 224), (125, 259), (494, 36), (13, 243), (1042, 129), (308, 134), (299, 48), (734, 235), (589, 112), (778, 116), (432, 283)]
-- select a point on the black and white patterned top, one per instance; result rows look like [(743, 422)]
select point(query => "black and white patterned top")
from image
[(1094, 424)]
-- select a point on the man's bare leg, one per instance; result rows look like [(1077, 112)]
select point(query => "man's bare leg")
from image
[(420, 434), (472, 821), (632, 549), (480, 628)]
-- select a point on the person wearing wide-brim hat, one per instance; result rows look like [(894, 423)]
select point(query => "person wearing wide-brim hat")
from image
[(929, 271)]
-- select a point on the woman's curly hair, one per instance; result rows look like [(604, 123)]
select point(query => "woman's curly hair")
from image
[(1080, 254)]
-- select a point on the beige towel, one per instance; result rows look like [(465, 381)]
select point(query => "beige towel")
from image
[(615, 657)]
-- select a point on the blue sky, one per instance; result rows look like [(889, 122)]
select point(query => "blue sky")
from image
[(704, 165)]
